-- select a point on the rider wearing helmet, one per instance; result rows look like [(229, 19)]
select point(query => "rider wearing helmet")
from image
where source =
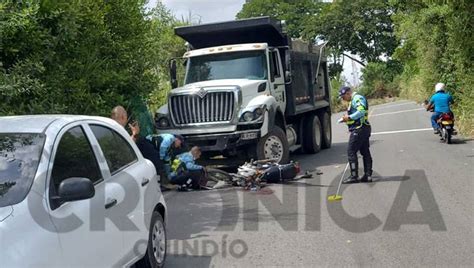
[(441, 101)]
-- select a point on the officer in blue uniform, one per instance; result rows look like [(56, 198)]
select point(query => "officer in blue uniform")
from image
[(360, 130)]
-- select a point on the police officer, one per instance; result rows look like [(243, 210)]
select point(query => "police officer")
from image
[(167, 147), (360, 130)]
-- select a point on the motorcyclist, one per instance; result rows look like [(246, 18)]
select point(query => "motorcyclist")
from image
[(360, 131), (441, 101)]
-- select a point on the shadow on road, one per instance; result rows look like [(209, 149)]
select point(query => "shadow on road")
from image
[(377, 179), (460, 141)]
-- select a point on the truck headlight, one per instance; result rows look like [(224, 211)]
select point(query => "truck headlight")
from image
[(253, 115), (248, 117), (162, 122)]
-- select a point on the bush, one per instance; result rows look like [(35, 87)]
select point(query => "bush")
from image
[(83, 57), (380, 79)]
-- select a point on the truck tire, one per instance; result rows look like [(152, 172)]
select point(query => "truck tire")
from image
[(274, 145), (325, 119), (312, 135)]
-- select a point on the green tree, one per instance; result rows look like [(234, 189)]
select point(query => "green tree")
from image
[(82, 57), (294, 13), (437, 45), (362, 27)]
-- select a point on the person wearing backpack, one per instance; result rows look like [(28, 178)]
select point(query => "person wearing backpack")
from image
[(185, 172)]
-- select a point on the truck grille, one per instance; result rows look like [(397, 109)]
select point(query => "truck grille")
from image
[(213, 107)]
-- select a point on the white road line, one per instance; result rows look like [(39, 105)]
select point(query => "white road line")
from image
[(402, 131), (398, 112), (389, 105)]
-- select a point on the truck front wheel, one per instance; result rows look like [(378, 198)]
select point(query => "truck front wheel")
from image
[(312, 135), (274, 145)]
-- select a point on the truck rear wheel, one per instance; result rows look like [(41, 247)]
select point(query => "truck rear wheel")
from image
[(327, 132), (274, 145), (312, 136)]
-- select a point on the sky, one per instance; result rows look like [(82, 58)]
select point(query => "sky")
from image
[(205, 11)]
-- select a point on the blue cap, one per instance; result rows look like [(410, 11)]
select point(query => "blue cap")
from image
[(343, 90)]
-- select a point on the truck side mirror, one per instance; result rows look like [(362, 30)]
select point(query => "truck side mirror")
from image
[(173, 73)]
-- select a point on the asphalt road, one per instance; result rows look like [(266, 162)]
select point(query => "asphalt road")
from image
[(418, 212)]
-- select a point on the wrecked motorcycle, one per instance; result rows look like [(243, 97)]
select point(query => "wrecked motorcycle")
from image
[(255, 174)]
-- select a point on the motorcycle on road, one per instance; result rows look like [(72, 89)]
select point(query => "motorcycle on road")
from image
[(445, 124)]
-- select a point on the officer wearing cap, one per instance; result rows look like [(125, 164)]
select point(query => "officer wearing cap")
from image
[(167, 146), (360, 130)]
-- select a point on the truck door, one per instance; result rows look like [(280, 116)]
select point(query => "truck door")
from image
[(277, 80)]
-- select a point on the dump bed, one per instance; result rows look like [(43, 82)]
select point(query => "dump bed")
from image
[(255, 30)]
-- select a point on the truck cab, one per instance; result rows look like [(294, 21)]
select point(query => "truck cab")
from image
[(237, 100)]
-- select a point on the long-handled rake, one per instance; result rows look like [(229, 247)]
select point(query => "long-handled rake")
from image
[(337, 197)]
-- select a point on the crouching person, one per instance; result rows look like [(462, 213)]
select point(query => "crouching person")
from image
[(185, 172)]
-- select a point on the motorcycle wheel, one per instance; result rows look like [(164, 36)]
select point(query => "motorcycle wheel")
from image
[(216, 175), (444, 135), (448, 136)]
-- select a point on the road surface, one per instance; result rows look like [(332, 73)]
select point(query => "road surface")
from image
[(418, 212)]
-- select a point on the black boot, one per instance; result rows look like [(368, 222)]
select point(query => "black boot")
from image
[(367, 169), (354, 178), (366, 178)]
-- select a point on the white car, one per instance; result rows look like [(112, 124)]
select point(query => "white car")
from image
[(75, 191)]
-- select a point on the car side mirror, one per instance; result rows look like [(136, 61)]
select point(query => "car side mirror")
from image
[(75, 189), (173, 74)]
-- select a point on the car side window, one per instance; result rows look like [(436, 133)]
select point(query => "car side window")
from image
[(74, 158), (117, 151)]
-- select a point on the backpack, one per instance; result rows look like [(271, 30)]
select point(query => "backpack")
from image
[(178, 166)]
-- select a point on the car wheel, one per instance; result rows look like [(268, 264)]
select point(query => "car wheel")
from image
[(156, 251), (312, 134), (274, 145)]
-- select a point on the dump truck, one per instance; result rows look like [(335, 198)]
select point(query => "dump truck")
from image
[(249, 92)]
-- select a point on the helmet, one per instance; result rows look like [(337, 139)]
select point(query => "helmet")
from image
[(439, 87)]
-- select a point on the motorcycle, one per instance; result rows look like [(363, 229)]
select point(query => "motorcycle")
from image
[(254, 175), (446, 127), (445, 124)]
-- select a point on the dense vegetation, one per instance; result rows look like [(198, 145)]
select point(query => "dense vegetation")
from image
[(84, 57), (406, 46)]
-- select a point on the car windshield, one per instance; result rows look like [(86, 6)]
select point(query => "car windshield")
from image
[(19, 158), (233, 65)]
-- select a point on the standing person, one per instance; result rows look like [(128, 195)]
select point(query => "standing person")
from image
[(167, 146), (360, 130), (441, 101), (119, 114)]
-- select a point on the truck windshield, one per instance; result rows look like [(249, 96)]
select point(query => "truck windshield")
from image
[(233, 65), (19, 158)]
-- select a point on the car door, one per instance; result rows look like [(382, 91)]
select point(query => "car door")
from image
[(87, 237), (132, 174)]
